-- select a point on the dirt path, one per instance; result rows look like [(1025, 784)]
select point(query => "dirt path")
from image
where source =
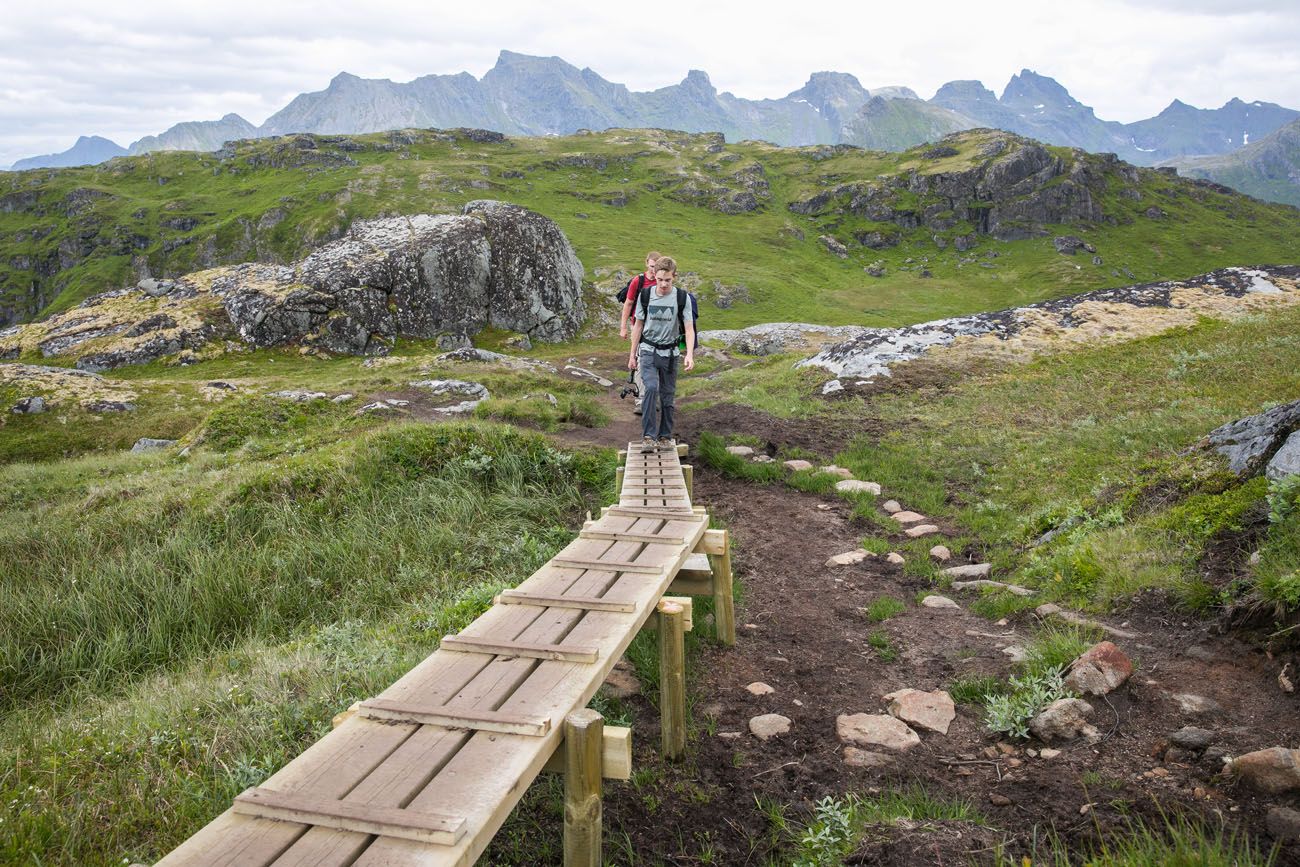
[(803, 631)]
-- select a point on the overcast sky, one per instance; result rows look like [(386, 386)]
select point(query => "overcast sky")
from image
[(125, 70)]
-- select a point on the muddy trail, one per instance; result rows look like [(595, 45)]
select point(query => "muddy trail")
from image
[(804, 632)]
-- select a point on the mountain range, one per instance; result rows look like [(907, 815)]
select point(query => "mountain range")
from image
[(527, 95)]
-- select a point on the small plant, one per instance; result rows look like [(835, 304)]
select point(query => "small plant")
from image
[(884, 649), (827, 839), (975, 689), (884, 608), (1010, 713), (1283, 498)]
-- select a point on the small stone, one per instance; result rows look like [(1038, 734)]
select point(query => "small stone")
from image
[(832, 387), (763, 459), (909, 517), (1048, 753), (969, 571), (848, 558), (796, 466), (939, 602), (1007, 749), (875, 730), (1032, 753), (769, 725), (837, 471), (999, 800), (853, 486), (298, 395), (759, 688), (1192, 738), (1159, 772), (729, 736), (934, 711), (1195, 704), (1063, 719), (922, 530), (741, 451), (980, 583), (941, 553), (342, 398), (895, 558), (1284, 824), (859, 758), (1101, 669), (30, 406), (1255, 558), (147, 444), (1047, 610), (824, 507), (1016, 653), (891, 506), (1274, 770)]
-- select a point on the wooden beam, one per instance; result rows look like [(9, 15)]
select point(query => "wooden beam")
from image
[(346, 816), (647, 512), (688, 473), (501, 647), (688, 612), (691, 586), (344, 715), (453, 718), (583, 603), (672, 678), (615, 757), (582, 789), (619, 476), (713, 542), (724, 604), (605, 565)]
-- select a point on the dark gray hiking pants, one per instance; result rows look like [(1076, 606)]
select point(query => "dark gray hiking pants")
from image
[(659, 373)]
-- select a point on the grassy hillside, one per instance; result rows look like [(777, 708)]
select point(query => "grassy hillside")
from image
[(66, 234)]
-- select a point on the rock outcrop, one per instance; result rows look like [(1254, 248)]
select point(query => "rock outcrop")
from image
[(1269, 440), (422, 276), (1109, 315)]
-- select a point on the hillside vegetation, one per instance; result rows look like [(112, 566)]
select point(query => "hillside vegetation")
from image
[(722, 209)]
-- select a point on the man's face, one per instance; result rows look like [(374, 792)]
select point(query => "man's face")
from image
[(664, 281), (649, 266)]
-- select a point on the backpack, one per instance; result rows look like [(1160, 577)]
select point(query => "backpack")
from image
[(627, 290), (682, 295)]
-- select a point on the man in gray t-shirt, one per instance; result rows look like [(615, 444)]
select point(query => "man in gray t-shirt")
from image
[(655, 352)]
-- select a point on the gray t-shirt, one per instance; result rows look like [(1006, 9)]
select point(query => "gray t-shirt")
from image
[(661, 322)]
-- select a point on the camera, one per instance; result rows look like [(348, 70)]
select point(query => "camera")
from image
[(630, 387)]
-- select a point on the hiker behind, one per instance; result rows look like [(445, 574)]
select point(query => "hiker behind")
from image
[(663, 317), (628, 295)]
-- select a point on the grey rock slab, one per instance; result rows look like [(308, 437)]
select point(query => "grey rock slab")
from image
[(935, 601), (1191, 703), (933, 711), (769, 725), (298, 395), (29, 406), (1193, 738), (848, 558), (1063, 719), (969, 571), (905, 517), (856, 486), (875, 730), (1248, 442), (1286, 462), (921, 530), (995, 585), (148, 444), (832, 387)]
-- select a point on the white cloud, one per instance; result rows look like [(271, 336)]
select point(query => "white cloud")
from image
[(73, 67)]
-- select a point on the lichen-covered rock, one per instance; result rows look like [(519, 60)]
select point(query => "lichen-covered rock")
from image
[(424, 276), (1249, 442)]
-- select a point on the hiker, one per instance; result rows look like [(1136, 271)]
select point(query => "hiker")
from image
[(665, 325), (628, 295)]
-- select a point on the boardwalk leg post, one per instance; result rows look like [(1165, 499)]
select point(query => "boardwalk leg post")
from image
[(672, 678), (618, 482), (689, 472), (583, 737), (724, 606)]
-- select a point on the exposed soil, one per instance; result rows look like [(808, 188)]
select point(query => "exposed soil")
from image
[(802, 630)]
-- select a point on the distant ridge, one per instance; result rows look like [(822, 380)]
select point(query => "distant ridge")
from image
[(527, 95)]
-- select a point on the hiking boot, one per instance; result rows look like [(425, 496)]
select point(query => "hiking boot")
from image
[(647, 445), (667, 444)]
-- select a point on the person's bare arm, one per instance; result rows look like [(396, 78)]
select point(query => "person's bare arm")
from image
[(690, 345), (628, 306), (636, 343)]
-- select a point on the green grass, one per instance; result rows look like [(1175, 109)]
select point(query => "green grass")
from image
[(884, 607), (880, 641), (839, 824)]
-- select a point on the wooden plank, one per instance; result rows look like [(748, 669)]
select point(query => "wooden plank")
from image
[(467, 718), (418, 825), (582, 603), (607, 565), (502, 647), (691, 586), (644, 512), (617, 536), (615, 756)]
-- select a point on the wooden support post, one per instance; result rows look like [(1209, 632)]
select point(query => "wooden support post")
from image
[(582, 788), (672, 678), (688, 472), (618, 481), (724, 606), (615, 755)]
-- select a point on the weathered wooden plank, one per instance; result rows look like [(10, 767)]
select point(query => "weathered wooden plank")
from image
[(615, 756), (503, 647), (616, 536), (608, 565), (419, 825), (582, 603), (714, 542), (468, 718)]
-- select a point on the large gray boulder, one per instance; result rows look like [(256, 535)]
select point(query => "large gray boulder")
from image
[(1248, 443)]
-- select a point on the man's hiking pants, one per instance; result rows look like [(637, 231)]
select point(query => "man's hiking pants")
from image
[(659, 373)]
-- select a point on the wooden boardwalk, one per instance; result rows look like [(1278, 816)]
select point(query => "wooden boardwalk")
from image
[(426, 772)]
